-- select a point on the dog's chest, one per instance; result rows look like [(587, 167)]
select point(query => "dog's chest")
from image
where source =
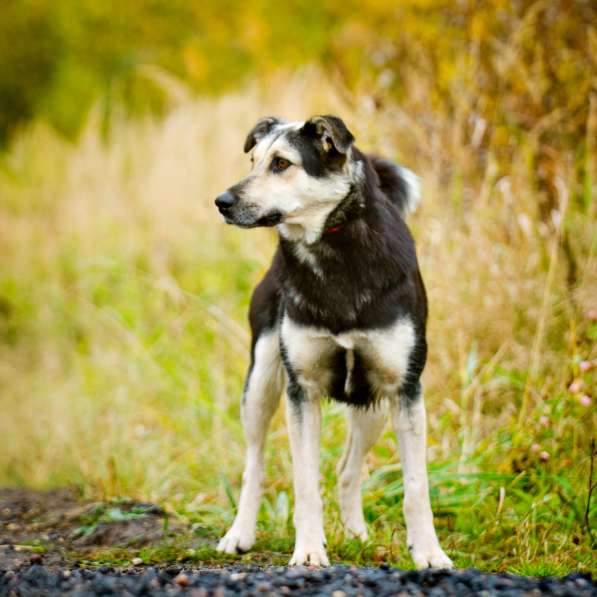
[(356, 366)]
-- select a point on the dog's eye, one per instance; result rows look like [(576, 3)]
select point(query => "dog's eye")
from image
[(279, 164)]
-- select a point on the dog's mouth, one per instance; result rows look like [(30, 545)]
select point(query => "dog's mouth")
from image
[(242, 221)]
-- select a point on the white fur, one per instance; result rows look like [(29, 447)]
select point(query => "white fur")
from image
[(365, 428), (413, 186), (411, 429), (304, 428), (388, 349), (304, 253), (260, 401)]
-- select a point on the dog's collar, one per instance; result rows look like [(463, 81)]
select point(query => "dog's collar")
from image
[(333, 229), (347, 210)]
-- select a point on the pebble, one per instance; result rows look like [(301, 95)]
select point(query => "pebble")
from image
[(336, 581), (36, 558), (182, 580), (136, 561)]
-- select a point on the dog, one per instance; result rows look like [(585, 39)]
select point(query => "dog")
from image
[(341, 313)]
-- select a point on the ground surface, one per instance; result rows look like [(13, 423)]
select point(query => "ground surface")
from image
[(54, 542)]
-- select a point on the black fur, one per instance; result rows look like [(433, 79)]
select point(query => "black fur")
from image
[(260, 130), (391, 183)]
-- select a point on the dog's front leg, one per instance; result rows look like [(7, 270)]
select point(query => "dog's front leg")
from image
[(260, 400), (408, 414), (304, 427)]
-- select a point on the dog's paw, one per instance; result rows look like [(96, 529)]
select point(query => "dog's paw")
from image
[(236, 541), (432, 556), (357, 528), (353, 519), (309, 556)]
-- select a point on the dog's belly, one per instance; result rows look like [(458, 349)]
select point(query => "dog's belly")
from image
[(358, 366)]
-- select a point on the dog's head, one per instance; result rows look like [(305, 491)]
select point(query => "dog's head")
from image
[(300, 172)]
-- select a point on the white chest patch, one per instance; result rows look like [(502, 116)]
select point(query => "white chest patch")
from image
[(302, 251), (384, 351)]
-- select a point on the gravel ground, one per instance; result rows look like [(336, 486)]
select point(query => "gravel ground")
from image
[(49, 539), (337, 581)]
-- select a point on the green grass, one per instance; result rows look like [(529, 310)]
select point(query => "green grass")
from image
[(123, 342)]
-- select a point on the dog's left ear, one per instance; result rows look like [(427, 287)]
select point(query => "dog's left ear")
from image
[(330, 131), (260, 130)]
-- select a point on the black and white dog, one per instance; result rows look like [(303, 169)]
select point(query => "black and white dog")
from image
[(340, 313)]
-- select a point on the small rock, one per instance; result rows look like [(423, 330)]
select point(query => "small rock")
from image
[(182, 580), (136, 561), (173, 570), (338, 594), (36, 558)]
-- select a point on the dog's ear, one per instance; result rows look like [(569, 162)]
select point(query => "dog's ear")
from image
[(260, 130), (330, 131)]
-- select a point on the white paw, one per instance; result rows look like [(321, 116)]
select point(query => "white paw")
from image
[(236, 541), (309, 556), (356, 527), (432, 556)]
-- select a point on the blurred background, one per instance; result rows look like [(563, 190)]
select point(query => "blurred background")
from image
[(123, 298)]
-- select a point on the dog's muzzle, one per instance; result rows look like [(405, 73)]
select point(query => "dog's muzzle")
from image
[(225, 202), (232, 207)]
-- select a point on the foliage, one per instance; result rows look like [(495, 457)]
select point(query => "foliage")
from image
[(123, 342), (507, 67)]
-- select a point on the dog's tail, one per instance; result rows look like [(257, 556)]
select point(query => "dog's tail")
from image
[(399, 184)]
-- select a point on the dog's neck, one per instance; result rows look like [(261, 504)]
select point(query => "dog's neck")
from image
[(350, 208), (321, 222)]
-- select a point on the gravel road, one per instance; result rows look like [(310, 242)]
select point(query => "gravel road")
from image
[(337, 581)]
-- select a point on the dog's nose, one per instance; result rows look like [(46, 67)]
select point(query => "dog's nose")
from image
[(225, 201)]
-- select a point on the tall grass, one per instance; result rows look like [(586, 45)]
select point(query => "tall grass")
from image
[(123, 342)]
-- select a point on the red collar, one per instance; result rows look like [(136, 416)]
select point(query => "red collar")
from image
[(333, 229)]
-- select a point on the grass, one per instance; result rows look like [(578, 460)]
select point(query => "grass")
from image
[(123, 342)]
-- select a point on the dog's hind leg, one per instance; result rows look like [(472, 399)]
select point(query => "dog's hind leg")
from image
[(260, 400), (409, 418), (365, 427)]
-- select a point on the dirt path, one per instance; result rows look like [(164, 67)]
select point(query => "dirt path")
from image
[(59, 529), (49, 543)]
